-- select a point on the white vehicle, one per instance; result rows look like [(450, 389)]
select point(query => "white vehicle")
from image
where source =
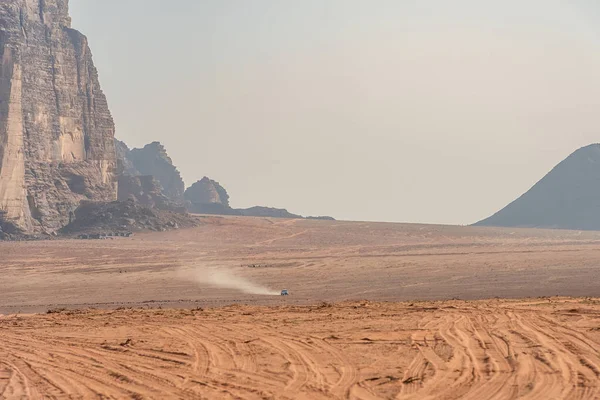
[(285, 292)]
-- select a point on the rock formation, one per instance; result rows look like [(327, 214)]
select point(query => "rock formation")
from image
[(146, 189), (139, 169), (154, 160), (567, 198), (208, 197), (57, 147), (56, 131)]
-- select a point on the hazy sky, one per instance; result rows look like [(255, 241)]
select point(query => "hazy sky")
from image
[(394, 110)]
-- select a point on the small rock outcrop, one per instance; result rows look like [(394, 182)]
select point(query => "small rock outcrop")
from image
[(208, 197), (566, 198), (56, 131)]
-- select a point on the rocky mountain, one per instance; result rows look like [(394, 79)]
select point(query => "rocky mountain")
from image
[(56, 131), (567, 198)]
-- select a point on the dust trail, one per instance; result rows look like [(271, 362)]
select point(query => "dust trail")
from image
[(226, 278)]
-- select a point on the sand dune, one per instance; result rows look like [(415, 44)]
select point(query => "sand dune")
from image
[(538, 349)]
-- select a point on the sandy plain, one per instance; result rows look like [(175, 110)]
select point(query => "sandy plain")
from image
[(376, 311)]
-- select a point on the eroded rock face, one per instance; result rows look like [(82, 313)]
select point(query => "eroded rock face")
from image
[(56, 131)]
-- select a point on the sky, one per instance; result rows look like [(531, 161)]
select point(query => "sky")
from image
[(428, 111)]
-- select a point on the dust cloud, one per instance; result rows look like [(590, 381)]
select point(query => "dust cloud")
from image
[(226, 278)]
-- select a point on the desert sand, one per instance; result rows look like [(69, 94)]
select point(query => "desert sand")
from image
[(376, 311), (540, 349)]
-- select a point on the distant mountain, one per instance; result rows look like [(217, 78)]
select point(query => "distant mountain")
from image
[(567, 198)]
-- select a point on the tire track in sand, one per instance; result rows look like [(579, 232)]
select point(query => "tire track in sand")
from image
[(478, 350)]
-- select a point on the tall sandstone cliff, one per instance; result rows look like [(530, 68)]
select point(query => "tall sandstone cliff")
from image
[(56, 132)]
